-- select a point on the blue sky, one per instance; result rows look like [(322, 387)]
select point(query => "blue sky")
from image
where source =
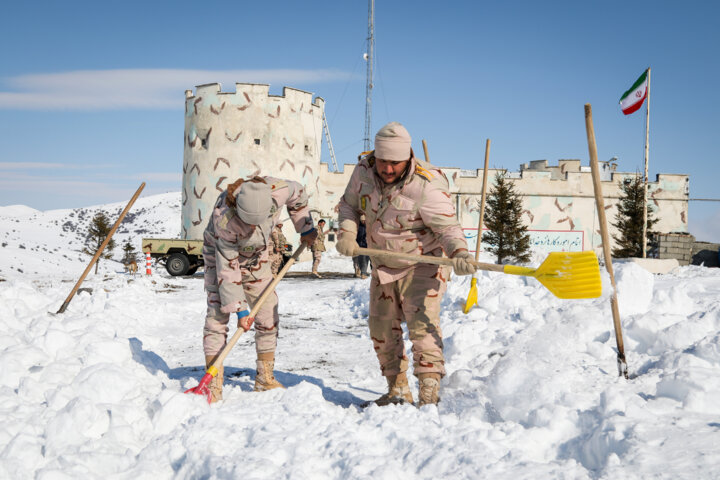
[(91, 93)]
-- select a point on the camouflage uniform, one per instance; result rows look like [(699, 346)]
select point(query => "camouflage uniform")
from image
[(237, 266), (277, 245), (317, 248), (414, 215)]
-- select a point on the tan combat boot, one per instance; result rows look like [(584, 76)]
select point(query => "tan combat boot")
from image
[(429, 389), (357, 271), (398, 391), (216, 383), (265, 380)]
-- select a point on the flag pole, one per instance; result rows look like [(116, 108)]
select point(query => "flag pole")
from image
[(645, 183)]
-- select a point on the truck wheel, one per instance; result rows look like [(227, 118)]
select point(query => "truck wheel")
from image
[(177, 264)]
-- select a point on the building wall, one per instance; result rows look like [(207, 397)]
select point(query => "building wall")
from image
[(248, 132), (558, 201)]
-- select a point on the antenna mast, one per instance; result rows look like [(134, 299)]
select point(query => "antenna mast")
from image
[(369, 81)]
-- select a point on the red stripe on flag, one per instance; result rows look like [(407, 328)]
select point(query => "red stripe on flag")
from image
[(634, 107)]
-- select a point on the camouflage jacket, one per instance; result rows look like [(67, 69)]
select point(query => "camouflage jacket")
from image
[(234, 250), (414, 215)]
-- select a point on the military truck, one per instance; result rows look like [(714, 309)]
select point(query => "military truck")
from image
[(180, 257), (184, 257)]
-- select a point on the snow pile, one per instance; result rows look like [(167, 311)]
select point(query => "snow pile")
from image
[(532, 389)]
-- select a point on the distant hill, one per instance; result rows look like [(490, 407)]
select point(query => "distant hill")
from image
[(33, 242)]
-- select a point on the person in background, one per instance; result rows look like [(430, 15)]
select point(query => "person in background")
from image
[(277, 245), (408, 209), (236, 248), (318, 247), (361, 261)]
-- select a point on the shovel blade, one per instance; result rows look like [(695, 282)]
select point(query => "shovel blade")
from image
[(202, 388), (571, 275), (472, 296)]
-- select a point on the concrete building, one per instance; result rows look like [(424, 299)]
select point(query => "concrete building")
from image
[(249, 132)]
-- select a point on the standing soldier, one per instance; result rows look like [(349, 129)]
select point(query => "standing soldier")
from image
[(277, 244), (318, 247), (237, 267), (407, 207), (361, 261)]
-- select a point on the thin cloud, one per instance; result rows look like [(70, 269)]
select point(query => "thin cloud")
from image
[(158, 177), (48, 166), (146, 89)]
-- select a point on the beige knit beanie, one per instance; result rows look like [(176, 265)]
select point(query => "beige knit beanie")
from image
[(392, 142), (253, 202)]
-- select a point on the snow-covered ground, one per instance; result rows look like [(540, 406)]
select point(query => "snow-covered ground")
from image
[(532, 389)]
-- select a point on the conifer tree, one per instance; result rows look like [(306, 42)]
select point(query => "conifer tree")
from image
[(97, 233), (629, 219), (507, 235), (130, 253)]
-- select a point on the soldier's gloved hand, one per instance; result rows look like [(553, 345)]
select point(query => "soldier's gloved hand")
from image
[(309, 237), (245, 321), (461, 263), (346, 245)]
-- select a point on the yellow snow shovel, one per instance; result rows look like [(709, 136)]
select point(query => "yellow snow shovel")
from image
[(568, 275), (472, 295), (212, 370)]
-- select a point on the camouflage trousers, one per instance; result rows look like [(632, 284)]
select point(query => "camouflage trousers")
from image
[(316, 260), (414, 299), (266, 323)]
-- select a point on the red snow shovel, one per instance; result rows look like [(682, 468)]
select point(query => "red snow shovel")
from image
[(212, 371)]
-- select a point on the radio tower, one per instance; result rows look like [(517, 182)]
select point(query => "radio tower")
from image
[(369, 81)]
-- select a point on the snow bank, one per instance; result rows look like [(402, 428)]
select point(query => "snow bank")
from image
[(532, 389)]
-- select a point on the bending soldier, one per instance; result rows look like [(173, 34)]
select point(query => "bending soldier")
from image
[(237, 267)]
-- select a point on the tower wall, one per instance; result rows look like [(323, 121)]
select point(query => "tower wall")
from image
[(248, 132)]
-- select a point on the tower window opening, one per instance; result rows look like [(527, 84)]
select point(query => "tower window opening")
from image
[(257, 141)]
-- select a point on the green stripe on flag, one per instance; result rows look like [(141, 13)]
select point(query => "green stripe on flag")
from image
[(637, 83)]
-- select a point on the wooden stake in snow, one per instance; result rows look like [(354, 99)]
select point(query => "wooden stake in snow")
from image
[(600, 203), (100, 250)]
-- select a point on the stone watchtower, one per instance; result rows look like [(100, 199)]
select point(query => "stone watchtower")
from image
[(244, 133)]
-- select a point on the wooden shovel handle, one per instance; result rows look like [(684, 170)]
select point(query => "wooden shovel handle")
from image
[(372, 252)]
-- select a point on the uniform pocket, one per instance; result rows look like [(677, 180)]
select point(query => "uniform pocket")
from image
[(401, 214)]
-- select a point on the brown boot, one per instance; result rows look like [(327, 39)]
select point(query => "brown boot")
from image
[(357, 272), (429, 389), (216, 383), (265, 380), (398, 391)]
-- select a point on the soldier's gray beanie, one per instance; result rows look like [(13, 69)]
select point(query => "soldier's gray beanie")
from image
[(253, 202)]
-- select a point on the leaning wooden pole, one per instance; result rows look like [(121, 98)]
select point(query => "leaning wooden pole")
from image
[(425, 151), (600, 203), (100, 250), (478, 242)]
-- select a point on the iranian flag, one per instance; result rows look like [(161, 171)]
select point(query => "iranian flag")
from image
[(632, 100)]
